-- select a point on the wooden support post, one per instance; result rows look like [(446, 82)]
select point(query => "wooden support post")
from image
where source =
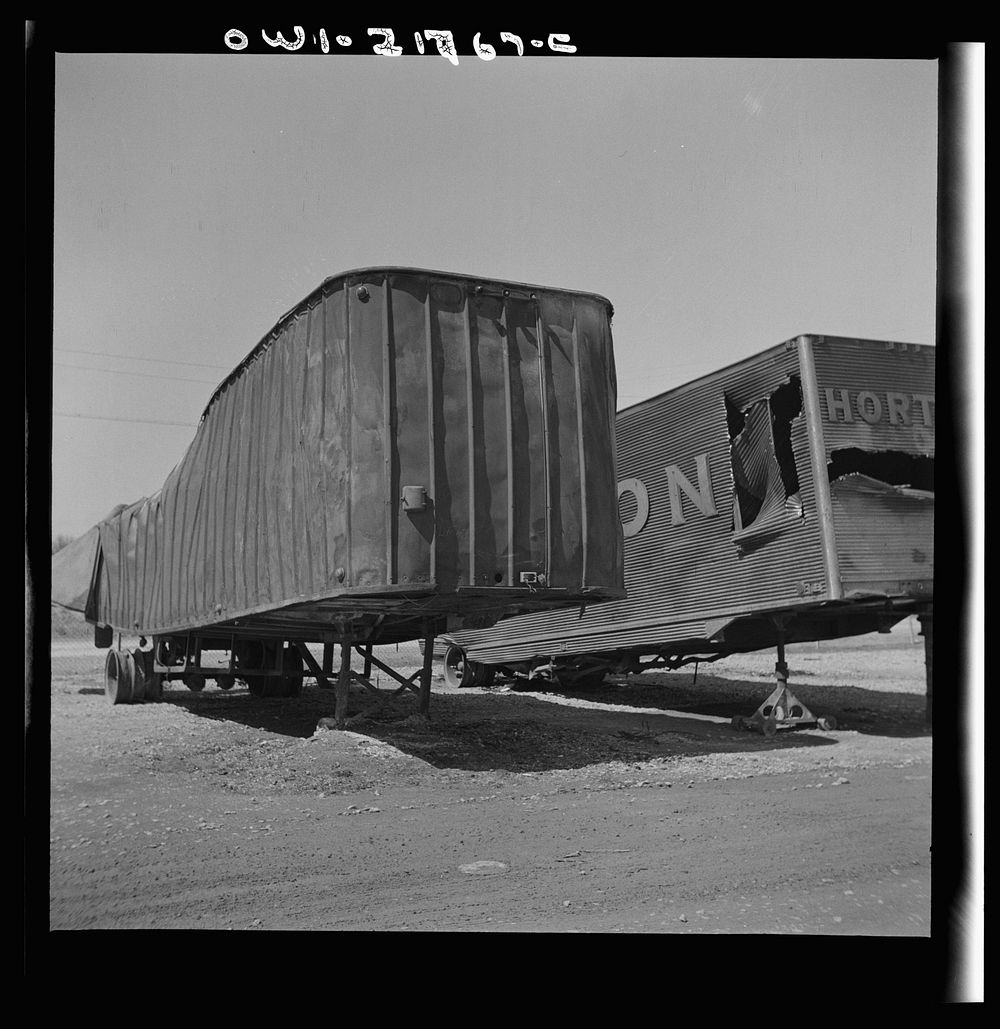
[(328, 658), (322, 675), (425, 673), (405, 684), (343, 685), (927, 631), (368, 661)]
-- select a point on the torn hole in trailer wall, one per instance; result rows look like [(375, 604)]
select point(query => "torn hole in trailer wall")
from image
[(912, 473), (766, 495), (882, 505)]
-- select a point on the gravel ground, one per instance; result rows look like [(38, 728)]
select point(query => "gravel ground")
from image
[(635, 808)]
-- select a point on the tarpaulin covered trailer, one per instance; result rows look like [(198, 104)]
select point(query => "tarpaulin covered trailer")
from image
[(786, 498), (405, 450)]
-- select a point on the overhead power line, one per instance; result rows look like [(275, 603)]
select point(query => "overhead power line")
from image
[(111, 418), (141, 375), (134, 357)]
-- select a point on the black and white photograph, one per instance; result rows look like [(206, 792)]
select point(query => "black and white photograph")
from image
[(489, 487)]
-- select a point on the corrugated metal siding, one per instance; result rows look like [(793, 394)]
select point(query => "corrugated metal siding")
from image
[(685, 566), (885, 539), (877, 396), (496, 398), (853, 367)]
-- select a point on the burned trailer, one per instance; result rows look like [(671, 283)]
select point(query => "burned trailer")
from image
[(406, 451), (787, 498)]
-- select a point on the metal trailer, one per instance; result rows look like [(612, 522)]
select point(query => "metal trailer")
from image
[(406, 451), (786, 498)]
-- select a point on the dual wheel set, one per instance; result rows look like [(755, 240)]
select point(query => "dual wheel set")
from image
[(269, 669), (459, 671), (129, 677)]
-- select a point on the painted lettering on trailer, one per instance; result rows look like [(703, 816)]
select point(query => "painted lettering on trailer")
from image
[(884, 406), (679, 486)]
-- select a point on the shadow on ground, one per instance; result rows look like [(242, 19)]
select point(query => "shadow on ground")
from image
[(874, 712), (498, 729)]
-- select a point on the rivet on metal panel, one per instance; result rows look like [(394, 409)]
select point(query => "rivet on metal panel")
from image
[(340, 574), (363, 294)]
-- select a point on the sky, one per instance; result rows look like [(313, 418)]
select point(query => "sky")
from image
[(723, 205)]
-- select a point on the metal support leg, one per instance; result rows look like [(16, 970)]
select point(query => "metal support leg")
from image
[(368, 661), (782, 709)]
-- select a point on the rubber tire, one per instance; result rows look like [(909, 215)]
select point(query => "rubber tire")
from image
[(457, 671), (154, 687), (142, 671), (291, 685), (482, 675), (252, 653), (117, 682), (258, 685)]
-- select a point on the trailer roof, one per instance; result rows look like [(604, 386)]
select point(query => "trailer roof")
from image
[(753, 358), (326, 286)]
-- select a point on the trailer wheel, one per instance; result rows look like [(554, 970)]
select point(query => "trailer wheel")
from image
[(259, 656), (291, 685), (482, 675), (258, 685), (154, 687), (146, 684), (117, 682), (196, 683), (457, 670), (225, 682)]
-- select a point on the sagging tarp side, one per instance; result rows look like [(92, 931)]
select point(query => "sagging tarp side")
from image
[(73, 570), (488, 406)]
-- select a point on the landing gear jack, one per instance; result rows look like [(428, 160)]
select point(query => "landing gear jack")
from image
[(782, 709)]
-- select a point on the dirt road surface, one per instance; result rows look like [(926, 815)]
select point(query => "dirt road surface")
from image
[(634, 809)]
